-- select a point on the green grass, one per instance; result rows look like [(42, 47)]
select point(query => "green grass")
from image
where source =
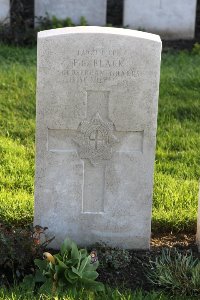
[(17, 294), (177, 168), (17, 127)]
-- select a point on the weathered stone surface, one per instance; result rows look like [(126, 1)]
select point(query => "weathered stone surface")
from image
[(5, 11), (93, 10), (97, 93), (172, 19)]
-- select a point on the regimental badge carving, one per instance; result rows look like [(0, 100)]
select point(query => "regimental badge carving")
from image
[(95, 139)]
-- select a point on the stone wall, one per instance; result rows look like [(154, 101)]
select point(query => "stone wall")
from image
[(168, 18), (4, 11), (94, 11)]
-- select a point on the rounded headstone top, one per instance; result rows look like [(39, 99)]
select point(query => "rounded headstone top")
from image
[(99, 30)]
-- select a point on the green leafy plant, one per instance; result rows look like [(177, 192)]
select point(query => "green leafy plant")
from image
[(196, 49), (71, 268), (177, 272), (48, 22), (115, 258), (83, 21)]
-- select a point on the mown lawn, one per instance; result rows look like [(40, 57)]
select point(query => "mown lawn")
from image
[(18, 294), (177, 168)]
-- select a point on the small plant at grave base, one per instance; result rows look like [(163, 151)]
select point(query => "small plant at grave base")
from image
[(71, 268), (18, 248), (83, 21), (176, 272), (115, 258), (196, 49)]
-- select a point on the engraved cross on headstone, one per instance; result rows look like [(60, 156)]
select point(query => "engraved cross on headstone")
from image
[(94, 140), (97, 138)]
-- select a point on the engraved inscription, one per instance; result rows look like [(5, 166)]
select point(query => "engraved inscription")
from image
[(95, 139), (99, 66), (99, 63)]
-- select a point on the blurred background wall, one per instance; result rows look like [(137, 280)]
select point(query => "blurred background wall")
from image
[(172, 19)]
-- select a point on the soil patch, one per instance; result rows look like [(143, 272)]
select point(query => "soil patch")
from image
[(134, 275)]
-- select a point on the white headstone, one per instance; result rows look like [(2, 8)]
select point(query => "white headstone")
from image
[(97, 94), (94, 11), (172, 19), (198, 223), (5, 11)]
